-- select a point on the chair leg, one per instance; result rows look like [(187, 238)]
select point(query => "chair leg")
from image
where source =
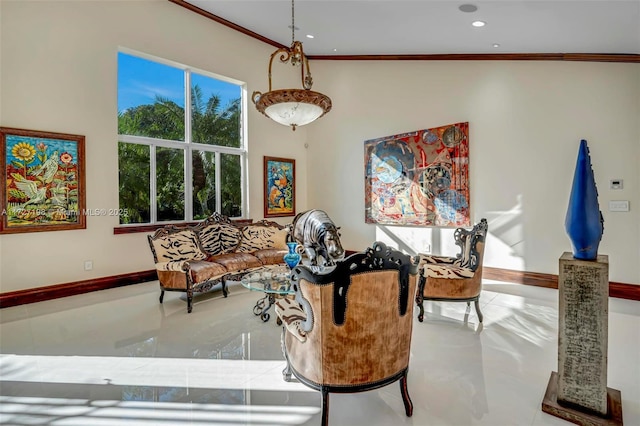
[(225, 292), (408, 405), (161, 295), (477, 304), (325, 407), (189, 301), (420, 297)]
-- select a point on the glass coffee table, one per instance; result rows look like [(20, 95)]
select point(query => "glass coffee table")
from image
[(273, 281)]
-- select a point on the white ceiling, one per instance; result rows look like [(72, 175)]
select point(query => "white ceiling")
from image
[(393, 27)]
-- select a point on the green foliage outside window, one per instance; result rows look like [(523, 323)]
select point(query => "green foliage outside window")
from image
[(212, 124)]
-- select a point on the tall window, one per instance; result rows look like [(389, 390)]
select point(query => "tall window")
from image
[(180, 148)]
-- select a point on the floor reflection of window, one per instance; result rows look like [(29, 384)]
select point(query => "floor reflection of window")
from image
[(237, 348)]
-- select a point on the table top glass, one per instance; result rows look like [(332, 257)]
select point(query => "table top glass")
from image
[(270, 280)]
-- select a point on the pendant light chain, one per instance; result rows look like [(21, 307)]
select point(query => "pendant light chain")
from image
[(293, 24)]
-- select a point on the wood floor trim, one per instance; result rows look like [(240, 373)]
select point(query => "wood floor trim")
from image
[(619, 290), (39, 294)]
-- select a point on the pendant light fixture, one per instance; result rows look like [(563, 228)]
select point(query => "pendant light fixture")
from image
[(292, 107)]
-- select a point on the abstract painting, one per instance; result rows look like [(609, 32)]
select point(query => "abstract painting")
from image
[(279, 187), (419, 178), (42, 181)]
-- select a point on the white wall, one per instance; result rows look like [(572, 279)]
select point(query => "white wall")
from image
[(58, 73), (526, 121)]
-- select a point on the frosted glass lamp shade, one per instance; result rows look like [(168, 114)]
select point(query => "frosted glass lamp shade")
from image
[(292, 107), (293, 113)]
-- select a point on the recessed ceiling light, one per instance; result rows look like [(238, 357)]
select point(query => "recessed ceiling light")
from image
[(478, 23), (496, 45), (335, 50), (309, 36), (468, 8)]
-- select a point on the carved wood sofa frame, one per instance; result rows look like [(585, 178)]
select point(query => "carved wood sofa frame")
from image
[(194, 259)]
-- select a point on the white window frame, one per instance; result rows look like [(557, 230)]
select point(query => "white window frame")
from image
[(189, 146)]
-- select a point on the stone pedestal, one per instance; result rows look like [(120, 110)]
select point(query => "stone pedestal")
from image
[(580, 385)]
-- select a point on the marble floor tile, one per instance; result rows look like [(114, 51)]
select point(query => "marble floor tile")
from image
[(118, 357)]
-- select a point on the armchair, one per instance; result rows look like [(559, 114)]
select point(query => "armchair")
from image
[(349, 327), (455, 279)]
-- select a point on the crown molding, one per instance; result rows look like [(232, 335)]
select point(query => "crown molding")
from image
[(576, 57)]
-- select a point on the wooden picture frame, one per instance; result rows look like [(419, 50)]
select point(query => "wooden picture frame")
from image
[(279, 187), (43, 181)]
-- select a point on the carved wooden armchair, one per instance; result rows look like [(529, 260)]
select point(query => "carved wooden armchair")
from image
[(455, 279), (349, 327)]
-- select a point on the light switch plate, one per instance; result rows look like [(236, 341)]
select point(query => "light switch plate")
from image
[(619, 206)]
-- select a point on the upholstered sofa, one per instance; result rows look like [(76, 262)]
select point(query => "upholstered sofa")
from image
[(194, 259)]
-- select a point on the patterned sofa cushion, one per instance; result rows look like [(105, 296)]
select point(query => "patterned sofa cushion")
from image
[(178, 246), (219, 238), (259, 237)]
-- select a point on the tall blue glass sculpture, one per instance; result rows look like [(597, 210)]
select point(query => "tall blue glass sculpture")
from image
[(584, 222)]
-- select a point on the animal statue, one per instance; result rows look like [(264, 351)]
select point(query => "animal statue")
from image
[(319, 237)]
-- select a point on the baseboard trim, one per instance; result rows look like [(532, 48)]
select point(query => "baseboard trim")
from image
[(619, 290), (39, 294)]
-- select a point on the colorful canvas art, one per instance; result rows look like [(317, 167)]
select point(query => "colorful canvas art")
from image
[(419, 178), (279, 187), (43, 179)]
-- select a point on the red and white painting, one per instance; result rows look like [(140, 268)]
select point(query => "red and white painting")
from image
[(419, 178)]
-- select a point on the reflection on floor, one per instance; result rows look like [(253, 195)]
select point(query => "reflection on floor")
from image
[(118, 357)]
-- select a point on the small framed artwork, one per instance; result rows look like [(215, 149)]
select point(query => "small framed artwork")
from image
[(43, 179), (279, 187)]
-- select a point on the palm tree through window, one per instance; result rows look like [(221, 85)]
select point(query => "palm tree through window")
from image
[(180, 142)]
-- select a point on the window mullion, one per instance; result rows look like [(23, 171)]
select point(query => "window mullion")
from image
[(153, 185), (188, 184), (218, 183), (188, 167)]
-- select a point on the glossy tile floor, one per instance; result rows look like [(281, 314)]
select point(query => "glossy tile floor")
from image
[(118, 357)]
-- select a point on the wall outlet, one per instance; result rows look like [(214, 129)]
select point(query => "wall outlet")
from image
[(88, 265), (619, 206), (427, 248)]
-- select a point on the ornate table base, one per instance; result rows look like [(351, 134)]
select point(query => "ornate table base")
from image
[(263, 305)]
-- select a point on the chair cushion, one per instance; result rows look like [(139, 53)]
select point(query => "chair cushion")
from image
[(178, 246), (431, 259), (292, 316), (259, 237), (270, 256), (202, 271), (219, 238), (447, 271), (235, 262)]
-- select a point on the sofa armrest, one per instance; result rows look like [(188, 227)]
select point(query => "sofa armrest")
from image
[(173, 265)]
